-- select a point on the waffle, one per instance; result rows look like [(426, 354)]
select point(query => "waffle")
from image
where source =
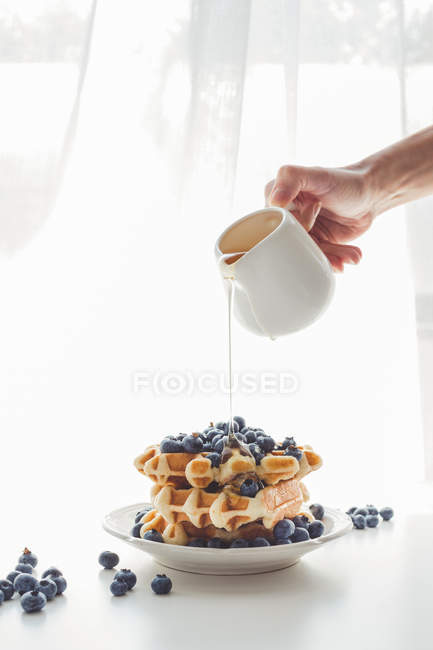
[(228, 509), (181, 533), (182, 470)]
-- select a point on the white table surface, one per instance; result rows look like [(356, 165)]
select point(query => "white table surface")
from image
[(371, 590)]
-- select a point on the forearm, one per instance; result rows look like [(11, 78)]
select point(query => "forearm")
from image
[(402, 172)]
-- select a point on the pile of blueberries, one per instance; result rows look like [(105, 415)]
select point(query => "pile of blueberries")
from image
[(33, 593), (213, 438), (125, 579), (286, 531), (368, 517)]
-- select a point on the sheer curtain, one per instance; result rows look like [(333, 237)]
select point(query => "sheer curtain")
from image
[(186, 109)]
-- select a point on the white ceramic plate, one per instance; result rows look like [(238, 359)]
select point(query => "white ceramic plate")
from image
[(231, 561)]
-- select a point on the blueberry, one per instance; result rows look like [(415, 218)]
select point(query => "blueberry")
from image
[(351, 510), (240, 421), (219, 445), (136, 529), (7, 588), (141, 513), (300, 535), (2, 596), (266, 443), (168, 446), (316, 529), (259, 541), (284, 529), (11, 576), (212, 488), (215, 459), (52, 572), (361, 511), (161, 584), (24, 582), (372, 521), (301, 521), (119, 587), (214, 432), (240, 437), (207, 446), (108, 560), (317, 511), (239, 543), (278, 542), (250, 436), (24, 568), (61, 583), (48, 588), (387, 513), (288, 442), (180, 436), (372, 510), (294, 451), (256, 452), (231, 426), (127, 576), (193, 444), (28, 557), (153, 535), (249, 488), (33, 601), (216, 542), (198, 542), (359, 521)]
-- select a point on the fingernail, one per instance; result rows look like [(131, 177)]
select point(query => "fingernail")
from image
[(317, 208), (279, 195)]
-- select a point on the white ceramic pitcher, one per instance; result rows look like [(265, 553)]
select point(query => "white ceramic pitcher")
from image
[(283, 281)]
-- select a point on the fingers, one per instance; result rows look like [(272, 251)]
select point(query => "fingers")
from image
[(307, 214), (340, 254)]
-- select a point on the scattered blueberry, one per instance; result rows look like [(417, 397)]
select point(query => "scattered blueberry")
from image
[(284, 529), (119, 587), (27, 557), (278, 542), (294, 451), (207, 446), (193, 444), (214, 432), (2, 596), (316, 529), (288, 442), (387, 513), (24, 568), (127, 576), (212, 488), (231, 426), (181, 436), (214, 458), (301, 521), (61, 584), (11, 576), (351, 510), (372, 521), (240, 421), (135, 530), (153, 535), (161, 584), (317, 511), (7, 588), (256, 452), (198, 542), (239, 543), (33, 601), (25, 582), (52, 572), (300, 535), (372, 510), (219, 444), (359, 521), (259, 541), (249, 488), (241, 437), (108, 560), (48, 587), (266, 443), (361, 511), (250, 436), (142, 512), (168, 446), (216, 542)]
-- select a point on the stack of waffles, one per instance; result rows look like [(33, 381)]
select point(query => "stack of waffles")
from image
[(208, 493)]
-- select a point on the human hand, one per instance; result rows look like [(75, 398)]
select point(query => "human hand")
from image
[(334, 205)]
